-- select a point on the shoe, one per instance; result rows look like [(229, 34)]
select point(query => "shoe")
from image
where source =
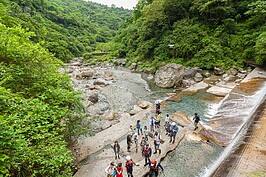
[(155, 153), (170, 141)]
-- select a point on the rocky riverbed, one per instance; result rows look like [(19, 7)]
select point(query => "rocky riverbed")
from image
[(115, 99)]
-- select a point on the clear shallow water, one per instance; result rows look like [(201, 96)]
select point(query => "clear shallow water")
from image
[(190, 159)]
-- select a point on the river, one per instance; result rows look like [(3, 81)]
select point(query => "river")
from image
[(189, 158)]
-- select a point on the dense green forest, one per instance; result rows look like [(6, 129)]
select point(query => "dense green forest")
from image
[(203, 33), (67, 28), (40, 113)]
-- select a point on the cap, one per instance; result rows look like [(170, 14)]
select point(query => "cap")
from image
[(173, 123), (128, 158), (153, 162)]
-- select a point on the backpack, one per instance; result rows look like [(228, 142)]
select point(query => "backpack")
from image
[(147, 152), (129, 164), (155, 167)]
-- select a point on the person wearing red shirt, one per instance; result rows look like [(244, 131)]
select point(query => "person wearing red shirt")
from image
[(119, 170)]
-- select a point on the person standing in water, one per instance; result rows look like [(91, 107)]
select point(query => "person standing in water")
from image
[(196, 119)]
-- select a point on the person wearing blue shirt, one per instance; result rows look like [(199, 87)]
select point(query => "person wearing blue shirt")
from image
[(173, 132)]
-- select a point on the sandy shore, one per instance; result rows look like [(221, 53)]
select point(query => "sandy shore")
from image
[(249, 160)]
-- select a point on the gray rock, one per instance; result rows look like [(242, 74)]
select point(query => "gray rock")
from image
[(108, 74), (241, 76), (111, 116), (133, 66), (188, 82), (198, 77), (233, 71), (136, 109), (238, 80), (121, 61), (230, 78), (198, 86), (100, 81), (144, 104), (191, 72), (93, 98), (207, 74), (98, 108), (87, 74), (219, 91), (106, 124), (243, 72), (150, 77), (218, 71), (170, 75)]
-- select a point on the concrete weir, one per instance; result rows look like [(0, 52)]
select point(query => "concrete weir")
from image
[(237, 109), (235, 114)]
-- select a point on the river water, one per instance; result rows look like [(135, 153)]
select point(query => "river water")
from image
[(190, 158)]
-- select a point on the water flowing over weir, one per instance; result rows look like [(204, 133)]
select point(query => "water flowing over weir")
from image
[(234, 116), (235, 111)]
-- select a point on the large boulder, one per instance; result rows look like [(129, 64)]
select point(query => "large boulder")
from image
[(170, 75), (191, 72)]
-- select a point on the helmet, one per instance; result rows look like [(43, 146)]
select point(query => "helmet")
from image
[(153, 162), (128, 158), (173, 123)]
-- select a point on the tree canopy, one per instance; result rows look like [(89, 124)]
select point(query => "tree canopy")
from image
[(67, 28), (204, 33)]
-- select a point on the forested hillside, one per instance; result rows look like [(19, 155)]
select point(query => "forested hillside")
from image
[(204, 33), (67, 28), (39, 110)]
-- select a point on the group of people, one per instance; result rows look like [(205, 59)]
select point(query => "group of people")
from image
[(134, 133)]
